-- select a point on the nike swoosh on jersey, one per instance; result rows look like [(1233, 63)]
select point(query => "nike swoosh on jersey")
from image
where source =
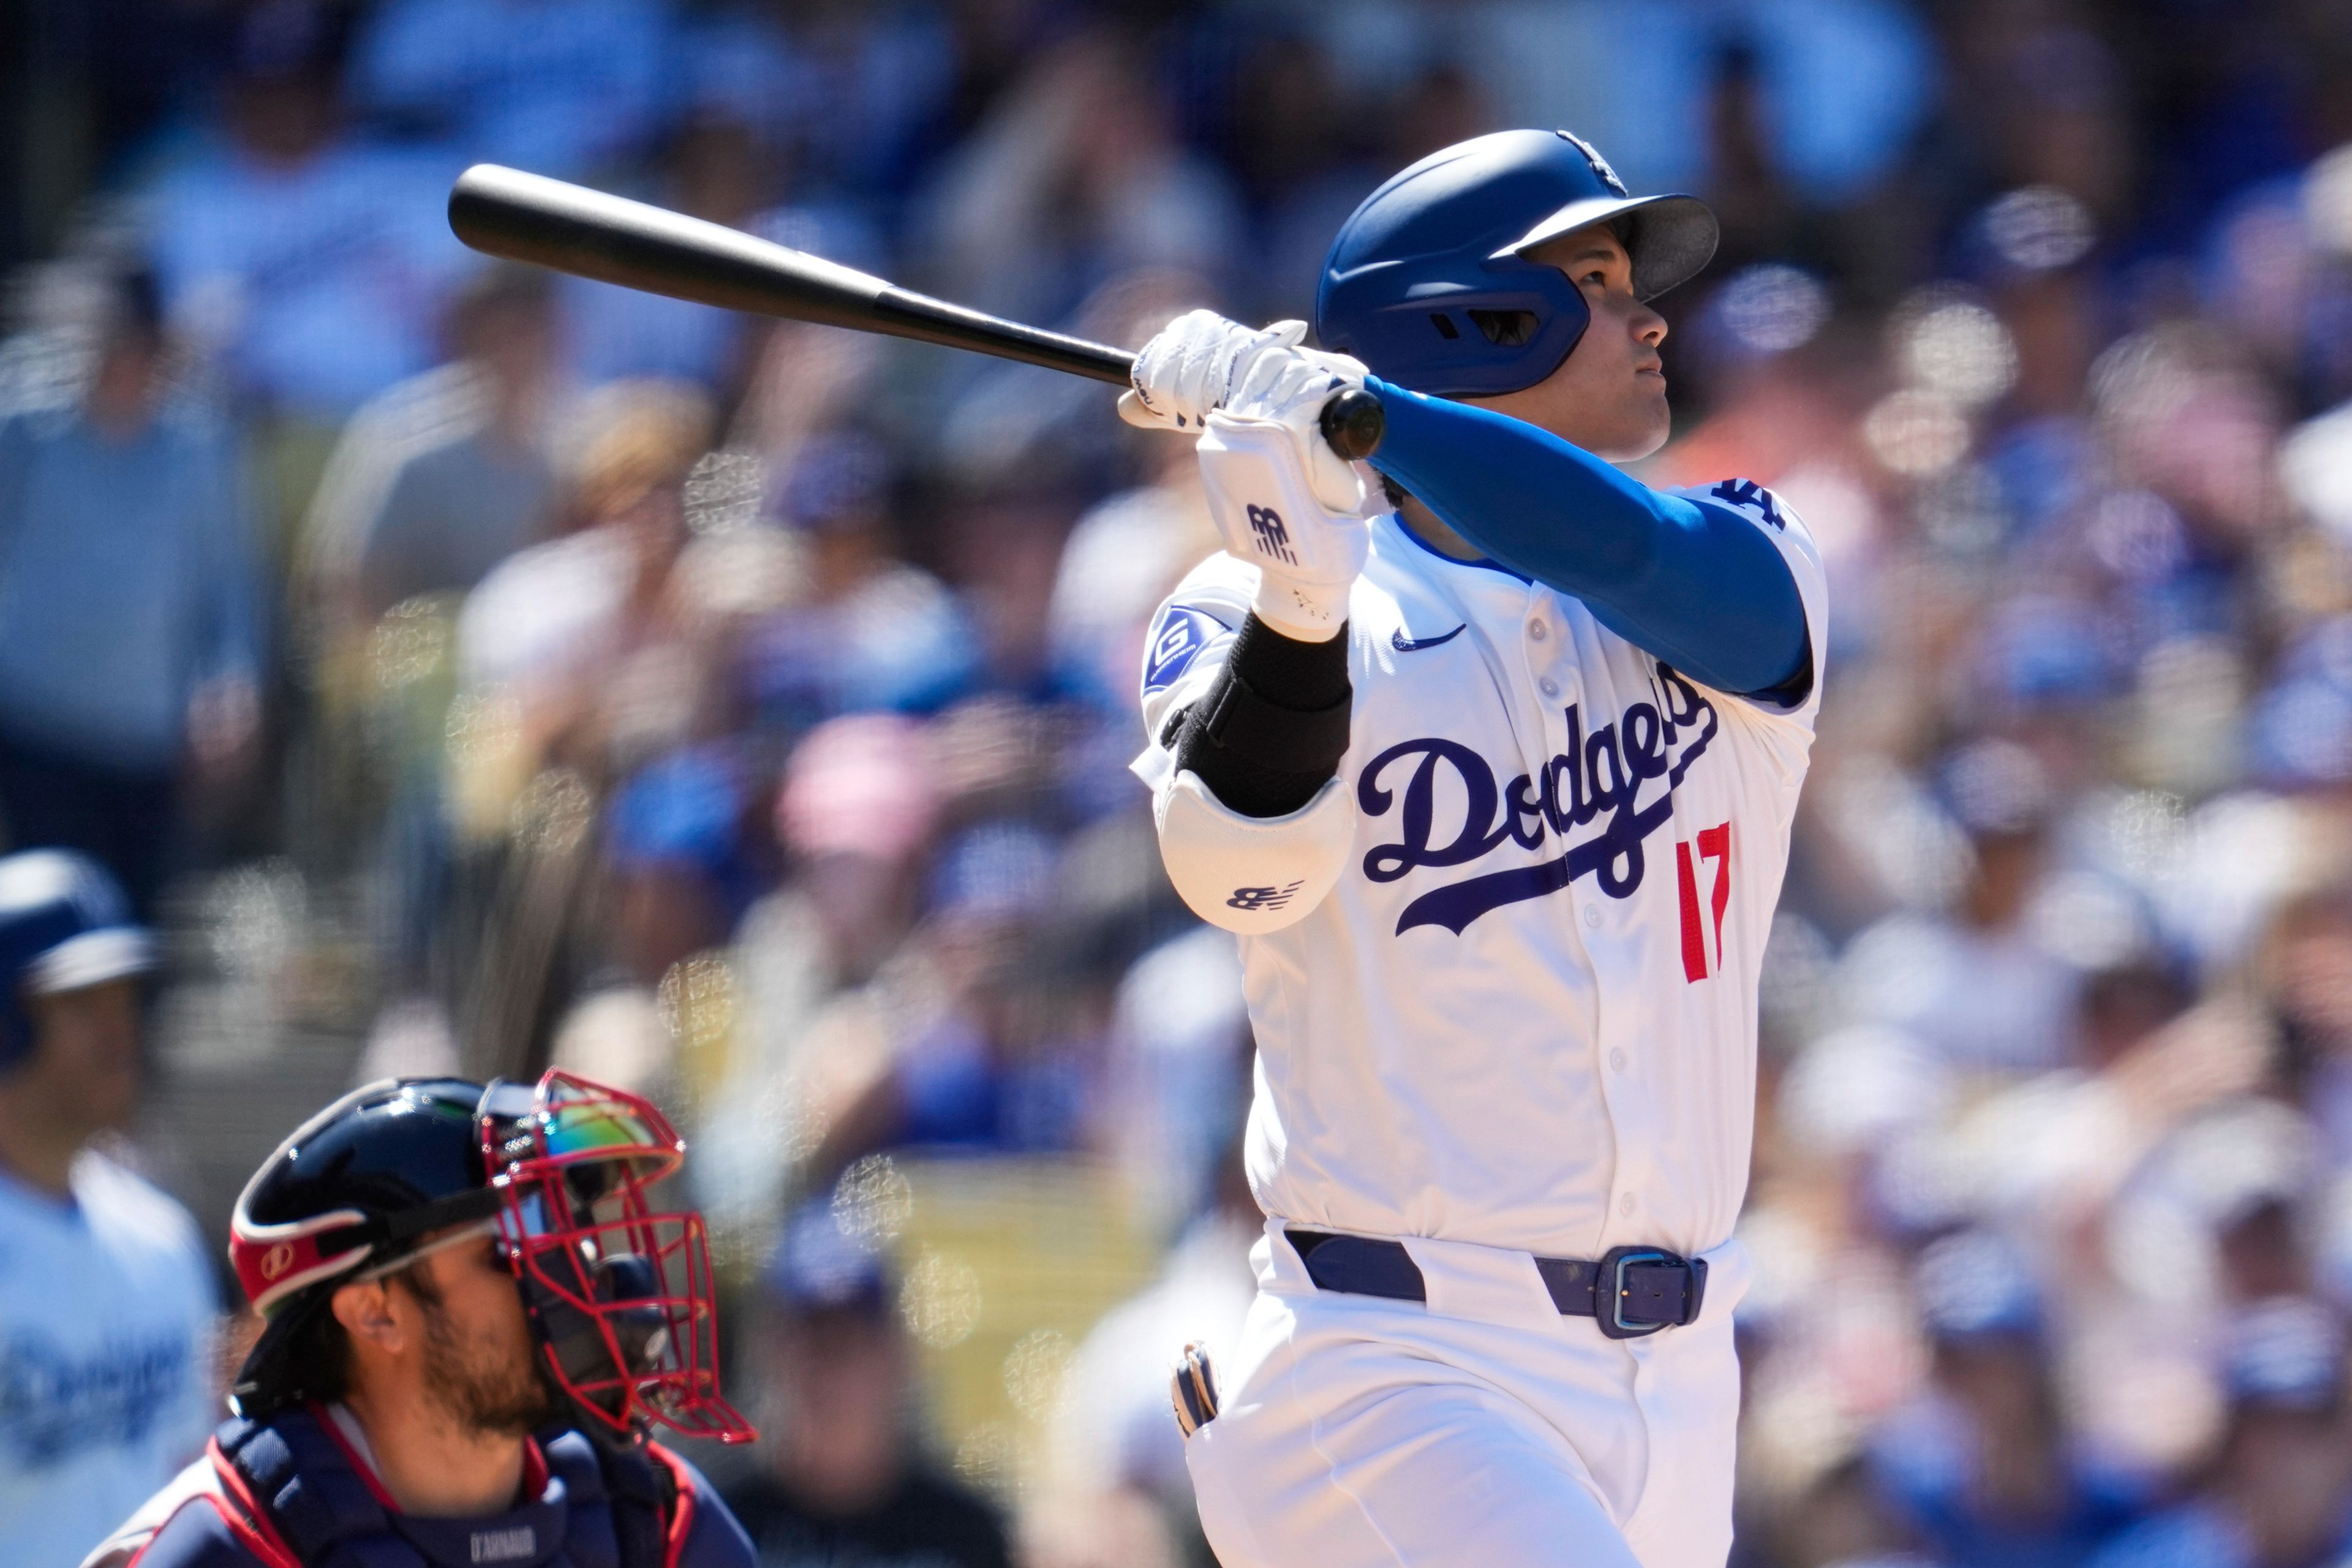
[(1403, 644)]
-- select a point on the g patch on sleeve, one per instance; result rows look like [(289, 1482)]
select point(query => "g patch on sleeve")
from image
[(1177, 639), (1752, 498)]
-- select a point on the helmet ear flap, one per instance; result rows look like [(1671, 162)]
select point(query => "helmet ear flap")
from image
[(1478, 342)]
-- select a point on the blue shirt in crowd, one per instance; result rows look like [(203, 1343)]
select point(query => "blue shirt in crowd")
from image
[(126, 581)]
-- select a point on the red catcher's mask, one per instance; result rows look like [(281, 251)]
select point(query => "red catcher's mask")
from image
[(619, 1291)]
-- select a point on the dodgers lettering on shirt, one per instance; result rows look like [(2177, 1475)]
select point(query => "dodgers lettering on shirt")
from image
[(57, 1403), (1525, 1015), (1603, 772)]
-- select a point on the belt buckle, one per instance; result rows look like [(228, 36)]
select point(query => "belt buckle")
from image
[(1610, 1291)]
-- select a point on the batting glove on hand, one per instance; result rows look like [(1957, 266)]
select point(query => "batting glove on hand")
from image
[(1290, 386), (1271, 514), (1194, 365)]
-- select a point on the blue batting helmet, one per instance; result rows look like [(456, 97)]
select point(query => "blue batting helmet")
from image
[(1429, 282), (64, 925)]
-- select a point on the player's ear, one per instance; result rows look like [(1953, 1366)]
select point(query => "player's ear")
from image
[(368, 1314)]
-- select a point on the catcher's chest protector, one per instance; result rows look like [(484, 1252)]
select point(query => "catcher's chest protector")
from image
[(600, 1508)]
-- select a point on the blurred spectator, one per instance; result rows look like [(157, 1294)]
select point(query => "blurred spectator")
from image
[(713, 169), (1122, 558), (1976, 984), (551, 628), (1181, 1051), (1843, 82), (850, 91), (1118, 1495), (1074, 177), (976, 1069), (107, 1302), (840, 1481), (2309, 957), (130, 640), (1979, 1468), (433, 484), (444, 476), (579, 661), (314, 263), (859, 803), (870, 630), (557, 87), (683, 865), (2280, 1490)]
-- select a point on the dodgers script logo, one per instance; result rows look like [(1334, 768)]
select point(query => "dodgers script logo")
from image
[(56, 1403), (1602, 772)]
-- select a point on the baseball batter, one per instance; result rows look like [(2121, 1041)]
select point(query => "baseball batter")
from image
[(1489, 759)]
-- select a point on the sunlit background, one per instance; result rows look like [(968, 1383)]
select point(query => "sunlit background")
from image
[(484, 669)]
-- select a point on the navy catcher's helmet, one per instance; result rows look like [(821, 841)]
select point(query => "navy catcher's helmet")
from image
[(1429, 283), (64, 925)]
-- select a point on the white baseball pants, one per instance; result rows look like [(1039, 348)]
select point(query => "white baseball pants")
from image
[(1482, 1430)]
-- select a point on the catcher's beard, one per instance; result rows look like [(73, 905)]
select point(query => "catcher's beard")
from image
[(482, 1380)]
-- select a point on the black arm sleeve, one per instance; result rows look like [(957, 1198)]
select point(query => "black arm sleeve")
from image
[(1271, 729)]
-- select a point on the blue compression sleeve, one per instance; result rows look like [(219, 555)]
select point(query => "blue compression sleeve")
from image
[(1694, 583)]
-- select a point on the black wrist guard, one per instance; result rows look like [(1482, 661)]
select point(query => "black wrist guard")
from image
[(1272, 727)]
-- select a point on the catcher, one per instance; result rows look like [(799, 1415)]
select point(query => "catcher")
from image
[(475, 1318)]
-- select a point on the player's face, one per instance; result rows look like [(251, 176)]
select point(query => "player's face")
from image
[(479, 1359), (84, 1070), (1609, 396), (450, 1332)]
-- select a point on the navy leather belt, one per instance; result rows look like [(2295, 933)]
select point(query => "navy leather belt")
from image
[(1631, 1292)]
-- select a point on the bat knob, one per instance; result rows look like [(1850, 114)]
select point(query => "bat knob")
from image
[(1353, 422)]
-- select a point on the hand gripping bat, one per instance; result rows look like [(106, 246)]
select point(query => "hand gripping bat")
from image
[(529, 217)]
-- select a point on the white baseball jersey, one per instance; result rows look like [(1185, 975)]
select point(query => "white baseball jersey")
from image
[(106, 1324), (1524, 1016)]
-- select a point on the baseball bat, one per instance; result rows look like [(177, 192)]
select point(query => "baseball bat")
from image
[(529, 217)]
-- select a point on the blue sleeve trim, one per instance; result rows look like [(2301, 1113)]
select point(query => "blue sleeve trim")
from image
[(1693, 583)]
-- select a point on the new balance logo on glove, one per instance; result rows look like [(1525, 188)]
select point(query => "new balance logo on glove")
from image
[(1255, 899), (1273, 538)]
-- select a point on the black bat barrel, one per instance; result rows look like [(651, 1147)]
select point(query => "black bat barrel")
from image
[(528, 217)]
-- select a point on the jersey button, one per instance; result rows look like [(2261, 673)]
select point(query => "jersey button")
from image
[(1592, 916), (1547, 685), (1625, 1204), (1617, 1058), (1538, 630)]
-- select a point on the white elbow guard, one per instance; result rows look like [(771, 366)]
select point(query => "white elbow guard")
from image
[(1252, 874)]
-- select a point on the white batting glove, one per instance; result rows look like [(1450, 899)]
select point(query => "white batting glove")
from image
[(1290, 386), (1194, 365), (1269, 512)]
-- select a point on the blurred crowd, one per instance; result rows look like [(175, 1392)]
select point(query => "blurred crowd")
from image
[(508, 669)]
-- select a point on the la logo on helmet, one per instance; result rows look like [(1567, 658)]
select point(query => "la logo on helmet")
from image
[(1608, 176)]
